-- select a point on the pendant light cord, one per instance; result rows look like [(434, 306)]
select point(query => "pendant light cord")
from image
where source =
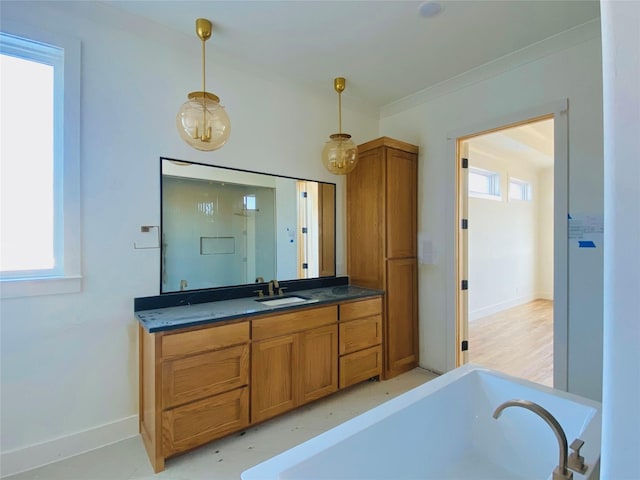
[(339, 112), (203, 71), (204, 94)]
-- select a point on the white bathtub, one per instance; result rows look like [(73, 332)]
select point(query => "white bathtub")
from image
[(444, 429)]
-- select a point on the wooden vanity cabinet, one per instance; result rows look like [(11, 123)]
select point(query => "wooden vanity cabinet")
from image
[(294, 360), (360, 336), (382, 242), (202, 383), (194, 387)]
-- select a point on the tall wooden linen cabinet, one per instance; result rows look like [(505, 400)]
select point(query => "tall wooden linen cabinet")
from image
[(382, 242)]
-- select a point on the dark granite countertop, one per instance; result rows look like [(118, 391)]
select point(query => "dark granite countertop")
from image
[(171, 318)]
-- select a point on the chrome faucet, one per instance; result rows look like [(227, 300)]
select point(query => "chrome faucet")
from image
[(560, 472)]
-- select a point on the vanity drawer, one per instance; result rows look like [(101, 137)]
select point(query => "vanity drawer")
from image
[(212, 338), (359, 366), (359, 334), (360, 309), (191, 378), (200, 422), (297, 321)]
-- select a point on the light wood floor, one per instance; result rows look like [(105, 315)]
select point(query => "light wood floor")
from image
[(517, 341)]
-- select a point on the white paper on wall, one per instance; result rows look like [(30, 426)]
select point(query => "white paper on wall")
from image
[(586, 230)]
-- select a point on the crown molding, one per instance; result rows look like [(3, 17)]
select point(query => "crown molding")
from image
[(556, 43)]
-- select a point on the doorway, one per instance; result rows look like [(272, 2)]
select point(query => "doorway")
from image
[(512, 299)]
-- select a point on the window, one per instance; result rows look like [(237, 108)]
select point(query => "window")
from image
[(519, 190), (29, 220), (250, 202), (39, 164), (484, 183)]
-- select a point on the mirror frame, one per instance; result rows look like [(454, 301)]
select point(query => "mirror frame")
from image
[(195, 290)]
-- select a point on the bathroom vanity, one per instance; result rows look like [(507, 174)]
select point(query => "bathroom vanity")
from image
[(214, 368)]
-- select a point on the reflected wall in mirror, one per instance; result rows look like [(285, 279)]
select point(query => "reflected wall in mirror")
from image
[(224, 227)]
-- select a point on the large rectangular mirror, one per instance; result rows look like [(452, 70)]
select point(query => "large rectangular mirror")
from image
[(223, 227)]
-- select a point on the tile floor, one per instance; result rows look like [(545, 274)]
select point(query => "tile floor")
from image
[(227, 458)]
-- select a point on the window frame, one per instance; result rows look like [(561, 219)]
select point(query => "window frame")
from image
[(67, 277), (525, 187), (494, 182)]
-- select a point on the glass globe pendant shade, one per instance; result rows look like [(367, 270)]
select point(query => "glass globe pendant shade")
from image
[(340, 154), (202, 122)]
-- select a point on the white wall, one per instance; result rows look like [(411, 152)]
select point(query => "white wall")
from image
[(500, 90), (505, 247), (621, 389), (69, 362)]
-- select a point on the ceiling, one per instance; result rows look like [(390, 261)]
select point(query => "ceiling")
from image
[(531, 143), (385, 49)]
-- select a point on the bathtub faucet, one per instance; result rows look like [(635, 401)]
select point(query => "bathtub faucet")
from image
[(561, 472)]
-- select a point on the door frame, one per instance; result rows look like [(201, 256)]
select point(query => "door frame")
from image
[(557, 110)]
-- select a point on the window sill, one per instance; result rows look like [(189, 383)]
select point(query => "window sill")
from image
[(486, 196), (32, 287)]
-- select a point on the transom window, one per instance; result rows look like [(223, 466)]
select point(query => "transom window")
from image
[(250, 202), (519, 190), (484, 183)]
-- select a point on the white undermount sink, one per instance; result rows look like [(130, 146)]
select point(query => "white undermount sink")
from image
[(283, 300)]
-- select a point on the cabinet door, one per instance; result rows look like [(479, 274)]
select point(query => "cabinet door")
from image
[(402, 316), (401, 181), (319, 351), (273, 377), (365, 218)]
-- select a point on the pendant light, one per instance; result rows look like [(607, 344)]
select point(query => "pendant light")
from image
[(201, 121), (340, 154)]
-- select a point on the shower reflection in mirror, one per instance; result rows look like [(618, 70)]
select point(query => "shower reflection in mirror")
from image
[(223, 227)]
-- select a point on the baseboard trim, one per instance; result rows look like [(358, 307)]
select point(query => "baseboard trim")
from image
[(40, 454), (514, 302)]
